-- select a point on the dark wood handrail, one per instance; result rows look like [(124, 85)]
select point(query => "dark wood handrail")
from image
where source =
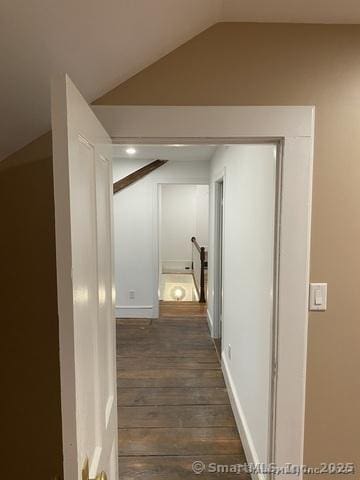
[(194, 241), (202, 253)]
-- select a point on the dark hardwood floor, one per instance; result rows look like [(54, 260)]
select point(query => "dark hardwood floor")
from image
[(173, 407), (182, 309)]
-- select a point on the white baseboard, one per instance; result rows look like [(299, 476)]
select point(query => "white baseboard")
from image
[(210, 323), (244, 432), (176, 266), (136, 311)]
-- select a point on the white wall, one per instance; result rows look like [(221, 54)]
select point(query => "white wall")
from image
[(135, 231), (184, 214), (177, 226), (249, 209), (202, 215)]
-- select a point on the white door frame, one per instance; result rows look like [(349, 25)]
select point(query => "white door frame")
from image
[(157, 227), (293, 127), (215, 324)]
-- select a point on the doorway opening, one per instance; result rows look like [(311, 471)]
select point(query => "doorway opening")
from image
[(211, 247), (183, 212), (161, 229), (82, 182)]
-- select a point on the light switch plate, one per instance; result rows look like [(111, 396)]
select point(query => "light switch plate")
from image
[(318, 297)]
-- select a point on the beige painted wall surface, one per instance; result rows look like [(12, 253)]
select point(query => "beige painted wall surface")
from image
[(29, 339), (277, 64), (280, 64)]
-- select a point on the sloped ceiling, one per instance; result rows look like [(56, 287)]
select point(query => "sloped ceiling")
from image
[(292, 11), (102, 43), (99, 43)]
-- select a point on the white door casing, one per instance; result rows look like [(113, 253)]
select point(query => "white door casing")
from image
[(215, 321), (82, 163), (293, 128)]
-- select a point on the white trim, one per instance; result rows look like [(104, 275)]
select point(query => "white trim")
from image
[(218, 177), (240, 419), (184, 181), (176, 266), (210, 323), (135, 311), (59, 99), (294, 128), (148, 124)]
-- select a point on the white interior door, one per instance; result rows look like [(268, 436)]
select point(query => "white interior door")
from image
[(84, 251)]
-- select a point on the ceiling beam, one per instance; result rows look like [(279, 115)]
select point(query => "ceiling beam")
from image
[(137, 175)]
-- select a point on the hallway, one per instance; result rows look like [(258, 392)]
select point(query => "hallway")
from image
[(173, 407)]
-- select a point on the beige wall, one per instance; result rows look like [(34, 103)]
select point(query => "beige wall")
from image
[(29, 340), (280, 64)]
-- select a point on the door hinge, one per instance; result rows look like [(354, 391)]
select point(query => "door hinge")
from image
[(85, 472)]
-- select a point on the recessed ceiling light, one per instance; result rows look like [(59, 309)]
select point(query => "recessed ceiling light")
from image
[(130, 151)]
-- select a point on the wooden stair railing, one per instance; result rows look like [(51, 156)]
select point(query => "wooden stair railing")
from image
[(137, 175), (202, 253)]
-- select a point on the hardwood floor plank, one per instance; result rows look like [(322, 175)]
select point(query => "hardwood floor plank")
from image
[(183, 320), (127, 350), (179, 467), (172, 396), (194, 341), (188, 363), (179, 441), (139, 322), (167, 378), (179, 416), (173, 406), (164, 322), (170, 334), (185, 309)]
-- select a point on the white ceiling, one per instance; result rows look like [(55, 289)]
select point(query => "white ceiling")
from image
[(292, 11), (98, 43), (102, 43), (166, 152)]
